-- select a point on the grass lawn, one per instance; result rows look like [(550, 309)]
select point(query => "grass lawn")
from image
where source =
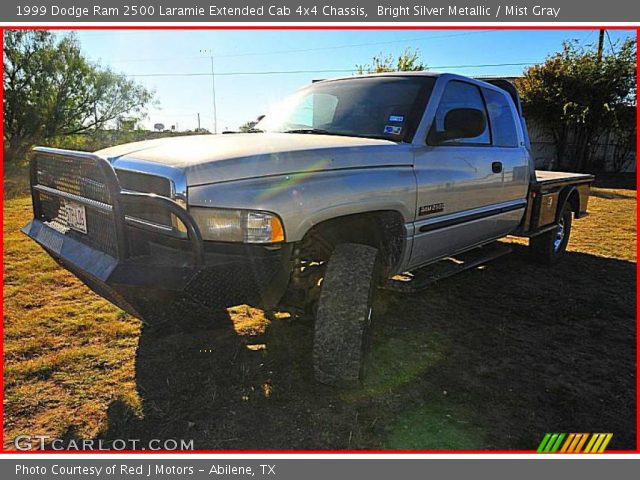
[(491, 359)]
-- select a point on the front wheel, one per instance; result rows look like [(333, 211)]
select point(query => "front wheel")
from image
[(549, 247), (344, 313)]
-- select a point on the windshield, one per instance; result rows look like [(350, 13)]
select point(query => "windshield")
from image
[(375, 107)]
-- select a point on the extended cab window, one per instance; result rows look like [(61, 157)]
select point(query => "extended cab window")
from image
[(386, 107), (459, 95), (503, 125)]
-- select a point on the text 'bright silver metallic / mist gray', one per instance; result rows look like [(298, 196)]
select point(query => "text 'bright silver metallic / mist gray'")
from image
[(460, 11)]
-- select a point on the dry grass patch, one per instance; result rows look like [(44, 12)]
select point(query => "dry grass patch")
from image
[(491, 359), (68, 353)]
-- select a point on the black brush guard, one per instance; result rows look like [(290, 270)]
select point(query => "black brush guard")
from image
[(146, 269)]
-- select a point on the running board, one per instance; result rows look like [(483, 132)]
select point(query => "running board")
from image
[(418, 280)]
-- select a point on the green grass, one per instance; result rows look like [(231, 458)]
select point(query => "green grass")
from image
[(397, 361), (436, 426)]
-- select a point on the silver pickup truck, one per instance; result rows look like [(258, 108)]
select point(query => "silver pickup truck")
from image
[(349, 185)]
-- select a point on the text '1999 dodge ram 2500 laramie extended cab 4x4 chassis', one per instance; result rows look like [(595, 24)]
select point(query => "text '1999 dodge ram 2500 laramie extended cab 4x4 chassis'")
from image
[(348, 184)]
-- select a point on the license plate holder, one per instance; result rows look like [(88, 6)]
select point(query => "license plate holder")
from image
[(76, 216)]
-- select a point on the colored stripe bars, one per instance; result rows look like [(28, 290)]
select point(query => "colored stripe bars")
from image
[(574, 442)]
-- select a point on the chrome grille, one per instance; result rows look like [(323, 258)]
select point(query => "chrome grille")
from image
[(146, 183), (78, 194)]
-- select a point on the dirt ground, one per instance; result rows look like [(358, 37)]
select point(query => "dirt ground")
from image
[(491, 359)]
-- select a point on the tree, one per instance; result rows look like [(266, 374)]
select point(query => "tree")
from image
[(126, 124), (51, 89), (580, 98), (624, 131), (407, 61)]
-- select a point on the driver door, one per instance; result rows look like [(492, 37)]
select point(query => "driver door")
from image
[(459, 184)]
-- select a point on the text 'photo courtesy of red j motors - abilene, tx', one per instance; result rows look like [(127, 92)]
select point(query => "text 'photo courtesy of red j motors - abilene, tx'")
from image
[(340, 239)]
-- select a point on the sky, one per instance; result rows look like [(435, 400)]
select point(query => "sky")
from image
[(244, 62)]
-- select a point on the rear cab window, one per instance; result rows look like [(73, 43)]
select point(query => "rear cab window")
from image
[(504, 132)]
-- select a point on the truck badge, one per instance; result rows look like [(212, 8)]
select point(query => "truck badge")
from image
[(429, 209)]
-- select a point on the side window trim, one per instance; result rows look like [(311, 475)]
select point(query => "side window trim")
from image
[(486, 115)]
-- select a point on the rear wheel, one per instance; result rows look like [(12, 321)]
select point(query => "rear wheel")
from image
[(549, 247), (344, 314)]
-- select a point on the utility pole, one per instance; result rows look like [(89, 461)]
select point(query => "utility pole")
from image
[(600, 44), (198, 121), (213, 89)]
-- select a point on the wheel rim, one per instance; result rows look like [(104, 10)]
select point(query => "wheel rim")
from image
[(560, 233)]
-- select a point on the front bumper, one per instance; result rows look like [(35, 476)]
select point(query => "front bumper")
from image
[(166, 277), (147, 272)]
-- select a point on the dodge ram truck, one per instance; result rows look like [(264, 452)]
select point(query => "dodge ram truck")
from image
[(349, 185)]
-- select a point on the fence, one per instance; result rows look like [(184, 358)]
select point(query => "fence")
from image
[(606, 155)]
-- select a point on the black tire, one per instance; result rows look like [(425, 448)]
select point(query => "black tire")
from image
[(344, 313), (549, 247)]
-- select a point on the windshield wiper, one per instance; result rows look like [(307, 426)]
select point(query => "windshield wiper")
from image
[(251, 130), (319, 131), (315, 131)]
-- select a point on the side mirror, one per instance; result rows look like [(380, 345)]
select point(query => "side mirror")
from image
[(459, 123)]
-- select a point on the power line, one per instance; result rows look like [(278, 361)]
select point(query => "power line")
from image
[(613, 50), (175, 115), (295, 72), (584, 40), (354, 45), (208, 74), (311, 49), (520, 64)]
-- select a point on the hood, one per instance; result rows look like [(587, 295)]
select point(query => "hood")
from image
[(207, 159)]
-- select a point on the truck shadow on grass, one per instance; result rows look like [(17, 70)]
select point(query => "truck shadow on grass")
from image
[(491, 359)]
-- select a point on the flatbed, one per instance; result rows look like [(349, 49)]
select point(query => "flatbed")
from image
[(546, 177)]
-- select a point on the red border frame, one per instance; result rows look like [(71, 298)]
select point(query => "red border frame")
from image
[(310, 27)]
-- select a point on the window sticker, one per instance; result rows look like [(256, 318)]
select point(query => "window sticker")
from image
[(396, 118), (392, 129)]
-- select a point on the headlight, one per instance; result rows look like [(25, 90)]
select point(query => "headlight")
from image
[(225, 225)]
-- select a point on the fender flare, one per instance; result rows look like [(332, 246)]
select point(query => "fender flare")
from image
[(563, 198)]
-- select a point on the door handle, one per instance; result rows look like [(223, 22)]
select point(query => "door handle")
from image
[(496, 167)]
